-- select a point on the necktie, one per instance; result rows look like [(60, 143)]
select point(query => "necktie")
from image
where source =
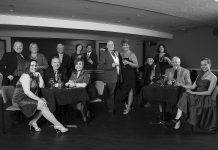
[(61, 57), (113, 54), (88, 54), (56, 76), (175, 74)]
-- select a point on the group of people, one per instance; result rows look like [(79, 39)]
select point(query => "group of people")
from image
[(198, 101)]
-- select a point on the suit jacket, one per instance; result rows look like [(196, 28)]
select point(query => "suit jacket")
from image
[(49, 73), (110, 73), (88, 65), (8, 65), (183, 75), (66, 63)]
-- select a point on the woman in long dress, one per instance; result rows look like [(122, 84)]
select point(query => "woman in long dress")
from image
[(128, 86), (199, 101), (26, 96)]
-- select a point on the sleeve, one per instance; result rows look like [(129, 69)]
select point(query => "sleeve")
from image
[(86, 78), (104, 64), (44, 62), (187, 78)]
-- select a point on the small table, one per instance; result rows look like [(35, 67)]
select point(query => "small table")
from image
[(164, 94), (64, 96)]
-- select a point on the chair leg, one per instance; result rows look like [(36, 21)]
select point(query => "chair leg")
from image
[(3, 117), (192, 129)]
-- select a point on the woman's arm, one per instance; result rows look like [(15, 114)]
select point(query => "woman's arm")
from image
[(213, 80), (134, 62), (25, 82), (41, 81)]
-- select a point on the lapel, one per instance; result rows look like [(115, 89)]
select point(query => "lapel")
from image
[(110, 58)]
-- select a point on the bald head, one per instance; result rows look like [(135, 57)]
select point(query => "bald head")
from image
[(176, 62), (110, 45)]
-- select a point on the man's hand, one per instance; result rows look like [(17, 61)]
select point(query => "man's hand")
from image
[(10, 77)]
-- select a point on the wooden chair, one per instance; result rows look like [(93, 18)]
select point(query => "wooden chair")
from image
[(6, 93)]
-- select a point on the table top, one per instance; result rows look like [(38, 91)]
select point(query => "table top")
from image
[(166, 93), (64, 96)]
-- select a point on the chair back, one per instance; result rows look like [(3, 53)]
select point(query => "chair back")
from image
[(100, 85), (1, 78), (7, 93)]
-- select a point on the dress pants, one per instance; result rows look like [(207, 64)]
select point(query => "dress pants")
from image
[(110, 99)]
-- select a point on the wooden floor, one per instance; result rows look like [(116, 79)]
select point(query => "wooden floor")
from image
[(106, 132)]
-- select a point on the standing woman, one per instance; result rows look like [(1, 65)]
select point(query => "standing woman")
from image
[(40, 58), (130, 64), (199, 101), (26, 96), (77, 54), (162, 60)]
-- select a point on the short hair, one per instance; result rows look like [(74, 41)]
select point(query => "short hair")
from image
[(27, 65), (54, 57), (33, 43), (125, 41), (88, 45), (78, 60), (60, 44), (158, 48), (176, 58), (208, 60), (18, 42)]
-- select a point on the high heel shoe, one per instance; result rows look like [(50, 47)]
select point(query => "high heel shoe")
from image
[(61, 129), (178, 124), (126, 111), (34, 125)]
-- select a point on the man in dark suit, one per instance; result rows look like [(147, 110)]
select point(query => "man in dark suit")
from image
[(65, 62), (54, 75), (13, 64), (90, 59), (110, 63)]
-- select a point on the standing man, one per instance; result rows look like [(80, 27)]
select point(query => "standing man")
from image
[(110, 63), (90, 59), (64, 59), (13, 64)]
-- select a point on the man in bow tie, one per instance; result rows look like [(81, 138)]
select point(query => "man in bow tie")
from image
[(12, 64), (90, 59)]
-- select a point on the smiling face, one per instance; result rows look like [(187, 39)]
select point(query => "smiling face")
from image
[(60, 48), (79, 49), (175, 63), (55, 63), (79, 65), (125, 46), (33, 66), (161, 49), (205, 66), (89, 48), (33, 48), (18, 47), (110, 45)]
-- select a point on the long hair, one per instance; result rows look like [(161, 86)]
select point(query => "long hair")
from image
[(27, 66)]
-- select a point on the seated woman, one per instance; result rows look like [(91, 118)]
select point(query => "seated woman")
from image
[(79, 78), (26, 96), (200, 104)]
